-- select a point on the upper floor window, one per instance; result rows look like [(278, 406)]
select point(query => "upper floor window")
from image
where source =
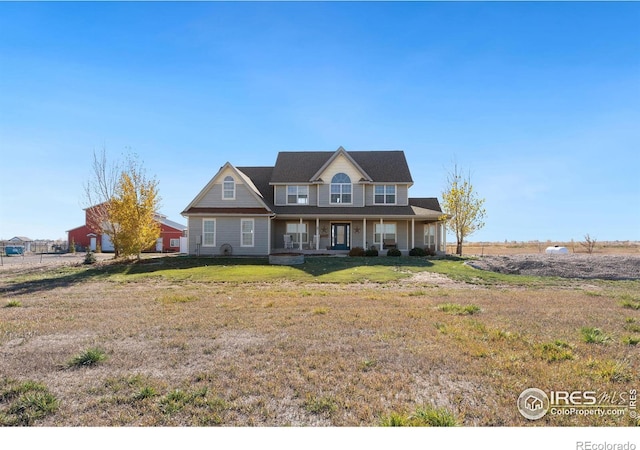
[(384, 194), (341, 188), (229, 188), (297, 195)]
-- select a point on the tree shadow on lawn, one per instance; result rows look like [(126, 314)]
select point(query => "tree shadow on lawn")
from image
[(314, 265)]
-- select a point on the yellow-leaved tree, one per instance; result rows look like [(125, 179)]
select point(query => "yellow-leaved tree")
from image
[(122, 203), (464, 210), (132, 210)]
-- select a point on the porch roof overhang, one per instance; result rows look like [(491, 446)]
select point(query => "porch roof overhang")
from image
[(374, 212)]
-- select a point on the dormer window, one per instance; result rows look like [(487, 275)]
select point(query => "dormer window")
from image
[(228, 188), (341, 189)]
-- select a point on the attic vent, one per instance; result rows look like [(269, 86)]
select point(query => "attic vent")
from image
[(226, 250)]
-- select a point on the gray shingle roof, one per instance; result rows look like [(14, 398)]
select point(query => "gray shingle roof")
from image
[(261, 176), (382, 166), (426, 203)]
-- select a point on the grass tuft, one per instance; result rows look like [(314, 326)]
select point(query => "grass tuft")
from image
[(323, 405), (459, 310), (26, 402), (629, 301), (425, 416), (631, 340), (13, 304), (592, 335), (554, 351), (89, 357), (169, 299)]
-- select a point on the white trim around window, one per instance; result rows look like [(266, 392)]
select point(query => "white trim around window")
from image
[(298, 230), (341, 190), (174, 242), (208, 232), (385, 194), (297, 195), (430, 235), (382, 231), (229, 188), (247, 227)]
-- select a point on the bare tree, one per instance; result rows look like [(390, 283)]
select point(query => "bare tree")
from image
[(99, 190), (589, 243)]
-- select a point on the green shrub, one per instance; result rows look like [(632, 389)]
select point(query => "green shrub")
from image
[(417, 251), (90, 258), (394, 252), (357, 251), (371, 252), (89, 357), (13, 304)]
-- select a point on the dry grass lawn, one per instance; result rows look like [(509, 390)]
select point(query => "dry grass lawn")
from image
[(275, 353)]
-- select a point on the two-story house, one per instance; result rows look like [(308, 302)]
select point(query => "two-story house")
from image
[(315, 202)]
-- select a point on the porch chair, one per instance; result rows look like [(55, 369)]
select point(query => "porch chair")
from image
[(389, 243), (288, 241)]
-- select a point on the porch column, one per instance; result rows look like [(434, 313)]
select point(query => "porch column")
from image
[(381, 234), (413, 231), (317, 239), (300, 234), (364, 233), (443, 237), (269, 234)]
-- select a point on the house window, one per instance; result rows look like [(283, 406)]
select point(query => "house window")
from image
[(430, 235), (229, 188), (341, 188), (209, 232), (246, 231), (295, 229), (384, 195), (384, 231), (174, 242), (297, 195)]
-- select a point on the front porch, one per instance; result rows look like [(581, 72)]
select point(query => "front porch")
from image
[(322, 236)]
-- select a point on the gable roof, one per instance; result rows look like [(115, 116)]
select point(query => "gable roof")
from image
[(384, 166), (340, 152), (244, 176)]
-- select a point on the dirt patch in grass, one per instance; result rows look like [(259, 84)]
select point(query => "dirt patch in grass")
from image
[(606, 267)]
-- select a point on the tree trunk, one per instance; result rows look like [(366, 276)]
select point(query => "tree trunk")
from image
[(459, 248)]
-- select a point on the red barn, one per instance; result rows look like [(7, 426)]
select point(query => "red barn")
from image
[(89, 235)]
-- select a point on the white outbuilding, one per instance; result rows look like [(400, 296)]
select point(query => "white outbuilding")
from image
[(556, 250)]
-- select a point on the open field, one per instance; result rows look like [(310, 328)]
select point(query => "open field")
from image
[(532, 247), (338, 341)]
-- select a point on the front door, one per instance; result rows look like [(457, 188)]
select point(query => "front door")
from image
[(340, 236)]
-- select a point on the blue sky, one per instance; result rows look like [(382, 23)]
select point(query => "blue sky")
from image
[(540, 101)]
